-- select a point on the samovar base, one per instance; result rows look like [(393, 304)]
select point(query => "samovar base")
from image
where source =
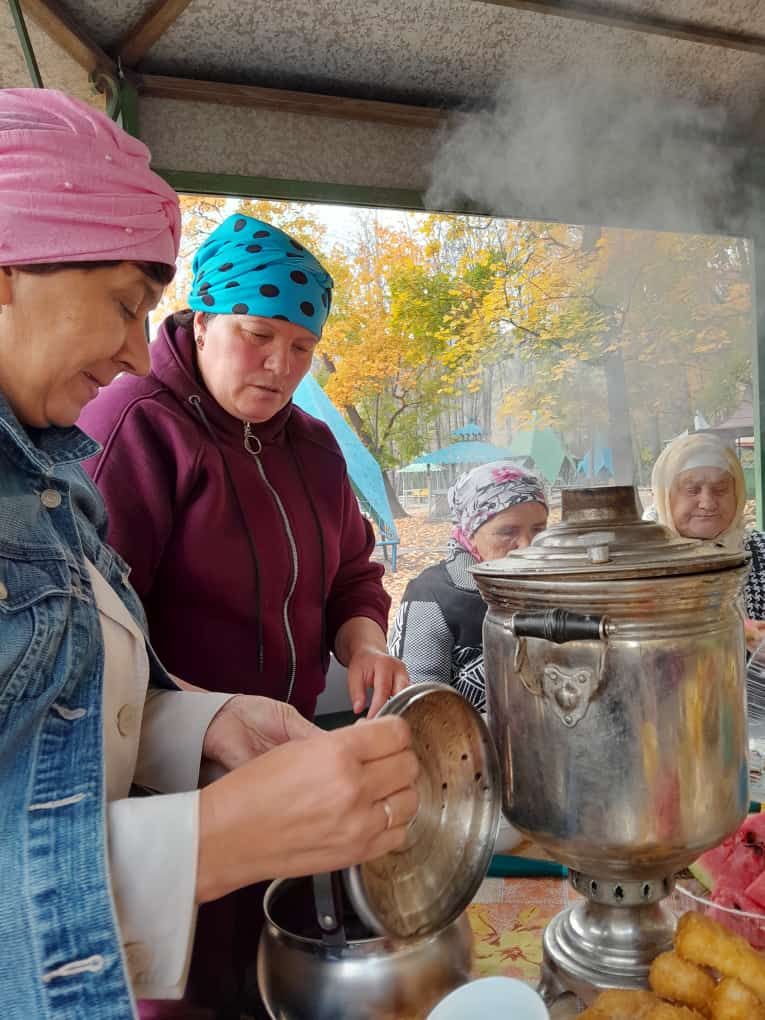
[(608, 942)]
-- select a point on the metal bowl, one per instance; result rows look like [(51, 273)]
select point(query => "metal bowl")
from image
[(421, 888)]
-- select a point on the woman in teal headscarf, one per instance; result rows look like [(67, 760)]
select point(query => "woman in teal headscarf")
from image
[(234, 509)]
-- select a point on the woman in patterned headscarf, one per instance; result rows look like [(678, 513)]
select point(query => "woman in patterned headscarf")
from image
[(235, 512), (495, 508), (699, 491)]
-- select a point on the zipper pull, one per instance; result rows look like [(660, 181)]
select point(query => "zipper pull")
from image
[(251, 442)]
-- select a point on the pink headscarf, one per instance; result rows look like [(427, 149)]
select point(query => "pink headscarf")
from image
[(75, 187), (488, 490)]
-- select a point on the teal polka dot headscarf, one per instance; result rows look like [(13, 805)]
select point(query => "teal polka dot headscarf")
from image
[(248, 267)]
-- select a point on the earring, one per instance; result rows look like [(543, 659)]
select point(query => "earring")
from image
[(200, 341)]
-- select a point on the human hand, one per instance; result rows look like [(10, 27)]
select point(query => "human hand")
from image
[(372, 668), (754, 632), (308, 806), (249, 725)]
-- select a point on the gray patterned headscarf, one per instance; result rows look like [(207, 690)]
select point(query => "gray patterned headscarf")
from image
[(487, 490)]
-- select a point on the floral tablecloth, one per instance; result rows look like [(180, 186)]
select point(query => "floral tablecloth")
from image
[(508, 916)]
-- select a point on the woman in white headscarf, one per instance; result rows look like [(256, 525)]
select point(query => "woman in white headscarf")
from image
[(699, 492)]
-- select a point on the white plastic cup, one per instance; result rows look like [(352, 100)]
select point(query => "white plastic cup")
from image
[(491, 998)]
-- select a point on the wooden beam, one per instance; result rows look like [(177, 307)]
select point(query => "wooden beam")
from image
[(671, 28), (283, 101), (139, 40), (64, 31)]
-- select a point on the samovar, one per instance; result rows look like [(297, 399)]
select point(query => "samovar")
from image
[(614, 655)]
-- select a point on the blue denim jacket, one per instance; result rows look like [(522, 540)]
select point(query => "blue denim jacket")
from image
[(60, 951)]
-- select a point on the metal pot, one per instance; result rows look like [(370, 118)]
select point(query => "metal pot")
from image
[(303, 976), (614, 659)]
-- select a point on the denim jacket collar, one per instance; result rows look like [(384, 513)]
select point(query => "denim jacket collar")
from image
[(42, 449)]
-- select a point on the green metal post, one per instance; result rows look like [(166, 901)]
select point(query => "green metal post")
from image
[(128, 109), (26, 44)]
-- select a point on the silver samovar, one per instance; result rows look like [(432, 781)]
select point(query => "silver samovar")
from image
[(614, 655)]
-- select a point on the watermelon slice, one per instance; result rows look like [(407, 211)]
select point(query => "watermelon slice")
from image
[(753, 829), (750, 928), (756, 892), (734, 872), (711, 865), (745, 864)]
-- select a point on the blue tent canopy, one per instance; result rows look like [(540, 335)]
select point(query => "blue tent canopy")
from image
[(465, 452), (467, 431), (604, 462), (363, 470)]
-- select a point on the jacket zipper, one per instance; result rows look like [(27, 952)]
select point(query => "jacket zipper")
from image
[(253, 446)]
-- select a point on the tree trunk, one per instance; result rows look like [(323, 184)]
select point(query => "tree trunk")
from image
[(396, 509), (358, 427)]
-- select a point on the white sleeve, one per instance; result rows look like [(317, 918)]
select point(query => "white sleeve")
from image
[(172, 733), (153, 848)]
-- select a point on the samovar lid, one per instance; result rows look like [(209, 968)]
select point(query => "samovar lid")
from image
[(421, 888), (601, 535)]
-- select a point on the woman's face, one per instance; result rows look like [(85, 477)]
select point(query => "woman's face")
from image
[(703, 502), (65, 334), (252, 365), (514, 528)]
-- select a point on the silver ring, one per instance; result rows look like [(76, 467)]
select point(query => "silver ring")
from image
[(388, 814)]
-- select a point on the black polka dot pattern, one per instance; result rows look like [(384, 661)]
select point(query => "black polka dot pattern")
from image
[(276, 287)]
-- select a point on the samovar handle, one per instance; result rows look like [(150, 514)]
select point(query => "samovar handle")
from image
[(559, 626), (568, 691)]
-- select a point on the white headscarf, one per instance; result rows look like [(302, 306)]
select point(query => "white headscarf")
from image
[(697, 451)]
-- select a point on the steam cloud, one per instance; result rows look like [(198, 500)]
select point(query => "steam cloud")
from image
[(594, 154), (611, 155)]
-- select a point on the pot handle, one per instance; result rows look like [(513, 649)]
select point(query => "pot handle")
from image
[(559, 626), (327, 898)]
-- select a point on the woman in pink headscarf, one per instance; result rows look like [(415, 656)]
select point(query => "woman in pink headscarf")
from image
[(98, 889)]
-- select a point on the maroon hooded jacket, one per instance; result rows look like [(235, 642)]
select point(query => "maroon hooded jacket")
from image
[(248, 559)]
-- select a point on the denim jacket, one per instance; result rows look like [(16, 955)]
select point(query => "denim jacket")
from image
[(60, 949)]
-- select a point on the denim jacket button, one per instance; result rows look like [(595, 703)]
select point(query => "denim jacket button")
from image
[(127, 720), (3, 591), (50, 499)]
